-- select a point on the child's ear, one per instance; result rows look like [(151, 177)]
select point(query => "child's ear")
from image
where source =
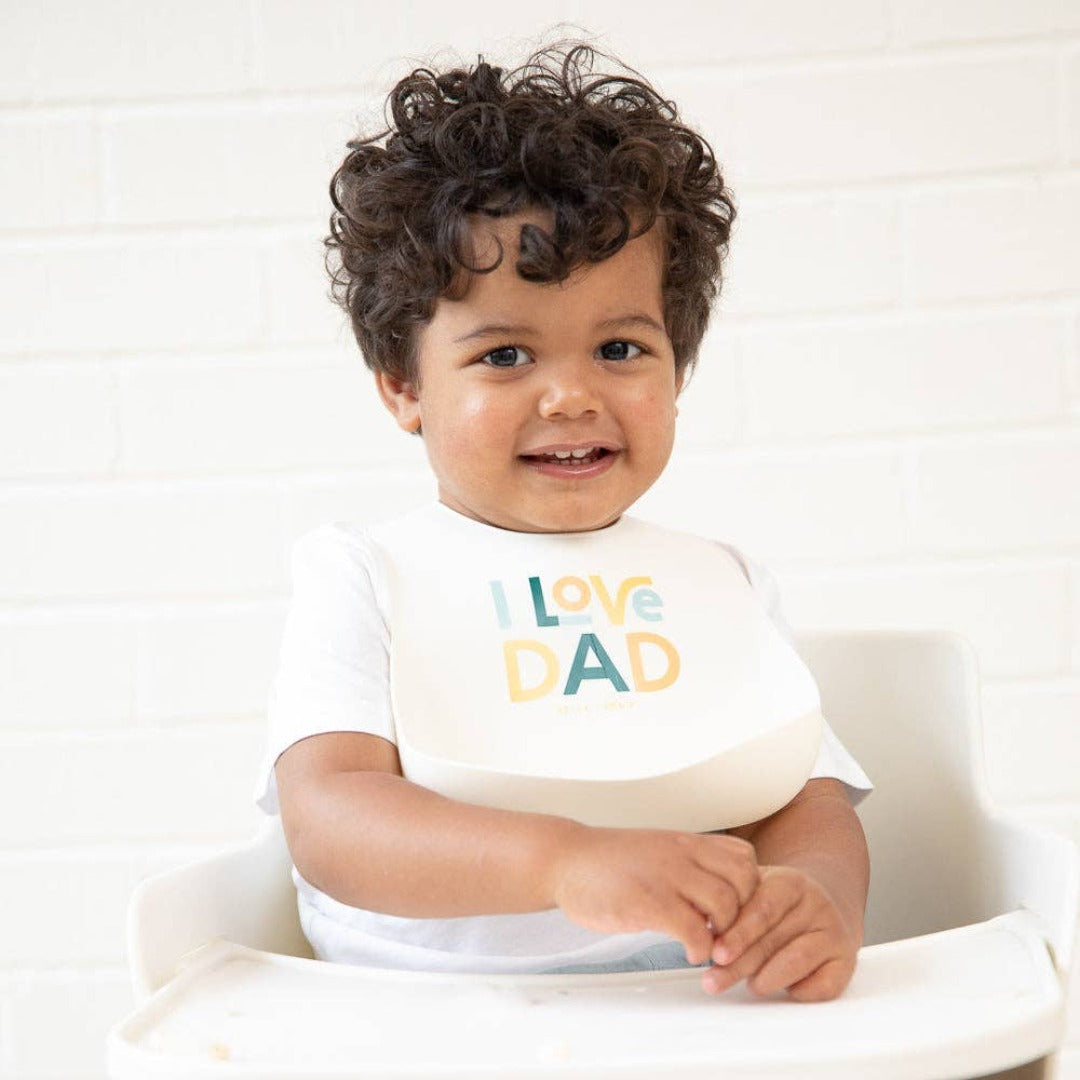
[(401, 399)]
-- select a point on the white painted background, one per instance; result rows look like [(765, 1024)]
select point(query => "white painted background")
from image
[(886, 411)]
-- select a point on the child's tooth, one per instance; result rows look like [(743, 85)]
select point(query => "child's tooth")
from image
[(562, 454), (581, 453)]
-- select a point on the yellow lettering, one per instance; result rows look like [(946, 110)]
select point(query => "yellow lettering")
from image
[(511, 652), (559, 592), (616, 610), (634, 642)]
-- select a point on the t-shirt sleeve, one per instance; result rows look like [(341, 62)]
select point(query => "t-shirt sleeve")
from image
[(833, 760), (333, 666)]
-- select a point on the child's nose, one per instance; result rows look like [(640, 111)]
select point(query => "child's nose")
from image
[(569, 393)]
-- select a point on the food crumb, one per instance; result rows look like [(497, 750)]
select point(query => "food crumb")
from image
[(220, 1052)]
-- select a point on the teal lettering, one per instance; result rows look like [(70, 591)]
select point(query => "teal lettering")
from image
[(645, 603), (604, 670), (498, 594), (542, 617)]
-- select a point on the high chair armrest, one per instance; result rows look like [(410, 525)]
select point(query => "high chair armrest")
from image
[(1033, 868), (242, 894)]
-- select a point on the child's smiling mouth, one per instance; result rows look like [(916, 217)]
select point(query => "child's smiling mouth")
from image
[(581, 461)]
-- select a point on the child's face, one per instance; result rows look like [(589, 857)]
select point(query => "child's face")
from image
[(515, 374)]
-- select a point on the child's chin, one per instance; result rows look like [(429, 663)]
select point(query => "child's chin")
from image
[(584, 521)]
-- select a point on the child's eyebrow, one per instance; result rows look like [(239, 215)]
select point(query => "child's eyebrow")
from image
[(636, 318), (493, 330)]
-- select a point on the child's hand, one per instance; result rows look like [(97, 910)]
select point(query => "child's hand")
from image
[(686, 885), (789, 936)]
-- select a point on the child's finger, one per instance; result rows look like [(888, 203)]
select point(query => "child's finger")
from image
[(767, 908), (714, 897), (793, 963), (723, 976), (686, 924), (732, 859), (826, 983)]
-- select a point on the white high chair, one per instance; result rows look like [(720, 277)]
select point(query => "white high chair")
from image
[(970, 930)]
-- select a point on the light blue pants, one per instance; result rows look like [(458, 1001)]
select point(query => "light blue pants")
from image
[(666, 956)]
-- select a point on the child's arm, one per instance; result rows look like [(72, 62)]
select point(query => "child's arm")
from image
[(360, 832), (802, 928)]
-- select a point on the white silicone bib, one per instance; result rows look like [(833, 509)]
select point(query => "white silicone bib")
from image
[(624, 677)]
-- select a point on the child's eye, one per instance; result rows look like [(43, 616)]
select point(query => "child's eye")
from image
[(506, 356), (620, 350)]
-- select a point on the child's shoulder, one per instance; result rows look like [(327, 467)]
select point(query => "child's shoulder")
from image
[(359, 531), (332, 548), (356, 542), (331, 536)]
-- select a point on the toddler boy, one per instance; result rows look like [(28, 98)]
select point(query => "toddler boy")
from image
[(528, 259)]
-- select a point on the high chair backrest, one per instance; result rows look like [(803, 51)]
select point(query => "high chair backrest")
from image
[(907, 707), (906, 704)]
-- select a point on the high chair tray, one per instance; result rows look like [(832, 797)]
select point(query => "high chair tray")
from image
[(952, 1004)]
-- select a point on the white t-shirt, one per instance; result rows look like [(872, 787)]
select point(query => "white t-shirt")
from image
[(343, 668)]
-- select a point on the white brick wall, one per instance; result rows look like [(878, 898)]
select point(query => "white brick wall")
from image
[(886, 410), (118, 291), (779, 269), (993, 240)]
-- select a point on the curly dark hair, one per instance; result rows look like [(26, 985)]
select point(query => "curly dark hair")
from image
[(605, 157)]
